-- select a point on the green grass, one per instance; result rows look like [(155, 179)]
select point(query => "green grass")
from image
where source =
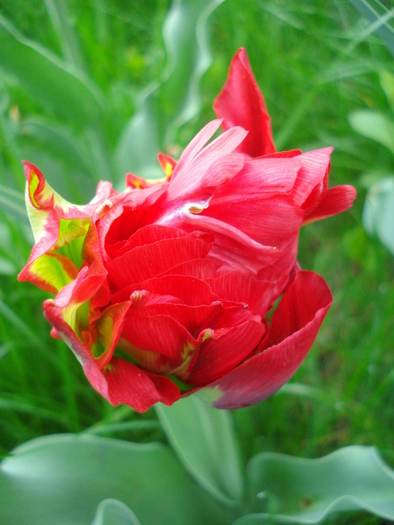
[(316, 62)]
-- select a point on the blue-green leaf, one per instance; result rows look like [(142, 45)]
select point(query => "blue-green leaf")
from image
[(203, 438), (379, 18), (284, 489), (373, 125), (175, 99), (114, 512), (62, 479), (378, 212)]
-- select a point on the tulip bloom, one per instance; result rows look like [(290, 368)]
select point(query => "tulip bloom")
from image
[(168, 288)]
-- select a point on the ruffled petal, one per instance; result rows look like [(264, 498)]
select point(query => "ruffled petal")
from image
[(56, 224), (145, 262), (199, 170)]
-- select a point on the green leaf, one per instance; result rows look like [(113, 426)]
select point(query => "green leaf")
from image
[(285, 489), (62, 479), (176, 99), (72, 98), (114, 512), (203, 438), (373, 125), (378, 212)]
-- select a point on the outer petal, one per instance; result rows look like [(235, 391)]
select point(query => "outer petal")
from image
[(310, 190), (241, 103), (334, 200), (295, 324), (137, 388), (55, 223), (120, 381)]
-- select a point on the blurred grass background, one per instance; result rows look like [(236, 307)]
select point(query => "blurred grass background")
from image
[(72, 115)]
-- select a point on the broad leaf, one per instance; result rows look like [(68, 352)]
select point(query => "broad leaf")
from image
[(114, 512), (285, 489), (176, 99), (378, 212), (373, 125), (62, 479), (204, 440)]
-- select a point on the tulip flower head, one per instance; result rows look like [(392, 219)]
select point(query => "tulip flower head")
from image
[(168, 288)]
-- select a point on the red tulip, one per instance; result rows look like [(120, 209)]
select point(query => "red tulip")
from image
[(167, 288)]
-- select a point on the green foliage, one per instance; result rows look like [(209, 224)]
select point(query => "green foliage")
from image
[(114, 512)]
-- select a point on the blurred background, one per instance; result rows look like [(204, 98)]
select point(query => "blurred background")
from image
[(91, 90)]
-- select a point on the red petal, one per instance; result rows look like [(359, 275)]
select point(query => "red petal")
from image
[(160, 333), (145, 262), (240, 287), (185, 288), (228, 347), (289, 154), (198, 170), (270, 221), (231, 246), (198, 268), (312, 177), (334, 200), (137, 388), (146, 235), (193, 318), (263, 176), (131, 211), (241, 103), (295, 324)]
